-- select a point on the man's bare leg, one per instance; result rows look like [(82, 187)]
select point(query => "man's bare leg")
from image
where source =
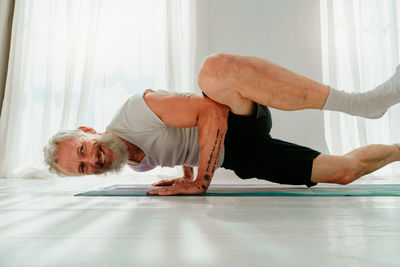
[(238, 81), (345, 169)]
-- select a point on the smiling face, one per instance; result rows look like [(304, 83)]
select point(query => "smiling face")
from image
[(90, 154)]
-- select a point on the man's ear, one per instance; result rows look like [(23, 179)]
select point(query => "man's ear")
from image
[(87, 129)]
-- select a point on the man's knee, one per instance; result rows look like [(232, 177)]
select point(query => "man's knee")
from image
[(217, 70), (349, 173), (336, 169)]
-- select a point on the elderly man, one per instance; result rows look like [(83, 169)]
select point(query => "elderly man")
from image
[(226, 127)]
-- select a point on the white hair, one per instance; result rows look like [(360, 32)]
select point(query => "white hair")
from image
[(50, 150), (107, 139)]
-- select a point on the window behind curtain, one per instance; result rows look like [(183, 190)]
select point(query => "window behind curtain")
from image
[(360, 43), (127, 56), (75, 63)]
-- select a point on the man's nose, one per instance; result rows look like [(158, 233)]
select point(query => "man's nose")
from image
[(91, 158)]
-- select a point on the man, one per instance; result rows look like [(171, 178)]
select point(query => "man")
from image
[(226, 127)]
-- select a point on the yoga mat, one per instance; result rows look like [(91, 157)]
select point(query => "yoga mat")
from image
[(256, 190)]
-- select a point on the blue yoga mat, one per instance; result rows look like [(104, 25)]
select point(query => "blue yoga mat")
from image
[(256, 190)]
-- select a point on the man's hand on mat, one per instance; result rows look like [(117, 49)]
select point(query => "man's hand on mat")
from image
[(184, 187), (173, 181)]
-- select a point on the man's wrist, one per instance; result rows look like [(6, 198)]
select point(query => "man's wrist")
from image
[(203, 181), (200, 186)]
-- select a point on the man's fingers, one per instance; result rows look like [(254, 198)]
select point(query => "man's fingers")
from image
[(178, 182), (151, 192), (172, 182), (164, 182), (177, 189), (158, 183), (171, 190), (163, 191)]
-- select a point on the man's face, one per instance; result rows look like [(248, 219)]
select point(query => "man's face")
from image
[(84, 155)]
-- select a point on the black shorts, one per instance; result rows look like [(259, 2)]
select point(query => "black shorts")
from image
[(251, 152)]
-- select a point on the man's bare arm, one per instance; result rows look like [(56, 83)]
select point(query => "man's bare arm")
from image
[(210, 117), (212, 126)]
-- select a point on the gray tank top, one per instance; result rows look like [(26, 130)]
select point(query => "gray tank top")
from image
[(163, 145)]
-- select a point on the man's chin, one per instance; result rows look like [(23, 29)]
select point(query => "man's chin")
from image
[(112, 146), (114, 168)]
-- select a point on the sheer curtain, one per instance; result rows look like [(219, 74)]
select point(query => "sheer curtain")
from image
[(360, 41), (74, 63)]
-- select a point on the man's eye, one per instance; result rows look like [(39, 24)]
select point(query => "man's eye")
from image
[(82, 149)]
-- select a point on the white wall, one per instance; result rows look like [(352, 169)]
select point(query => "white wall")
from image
[(284, 31)]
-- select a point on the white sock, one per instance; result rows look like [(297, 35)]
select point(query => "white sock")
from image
[(372, 104)]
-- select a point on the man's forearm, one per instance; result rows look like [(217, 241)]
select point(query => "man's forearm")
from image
[(212, 127)]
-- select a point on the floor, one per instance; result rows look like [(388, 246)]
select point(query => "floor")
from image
[(43, 224)]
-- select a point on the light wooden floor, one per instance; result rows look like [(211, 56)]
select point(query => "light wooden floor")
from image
[(43, 224)]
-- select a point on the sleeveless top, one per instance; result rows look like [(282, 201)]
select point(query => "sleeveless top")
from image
[(163, 145)]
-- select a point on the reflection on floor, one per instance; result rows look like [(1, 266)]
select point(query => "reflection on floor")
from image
[(43, 224)]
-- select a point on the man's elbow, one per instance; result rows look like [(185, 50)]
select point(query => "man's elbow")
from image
[(214, 115)]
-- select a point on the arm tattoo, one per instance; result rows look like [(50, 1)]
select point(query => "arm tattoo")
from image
[(212, 152), (218, 142), (219, 151)]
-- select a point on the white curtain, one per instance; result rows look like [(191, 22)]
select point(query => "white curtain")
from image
[(360, 43), (74, 63)]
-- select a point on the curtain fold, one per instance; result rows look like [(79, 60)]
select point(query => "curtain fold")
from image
[(180, 44), (75, 63), (6, 16), (360, 51)]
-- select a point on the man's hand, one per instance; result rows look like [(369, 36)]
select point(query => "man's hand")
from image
[(172, 181), (187, 176), (183, 188)]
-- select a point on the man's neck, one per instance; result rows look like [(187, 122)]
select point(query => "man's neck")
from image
[(134, 152)]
